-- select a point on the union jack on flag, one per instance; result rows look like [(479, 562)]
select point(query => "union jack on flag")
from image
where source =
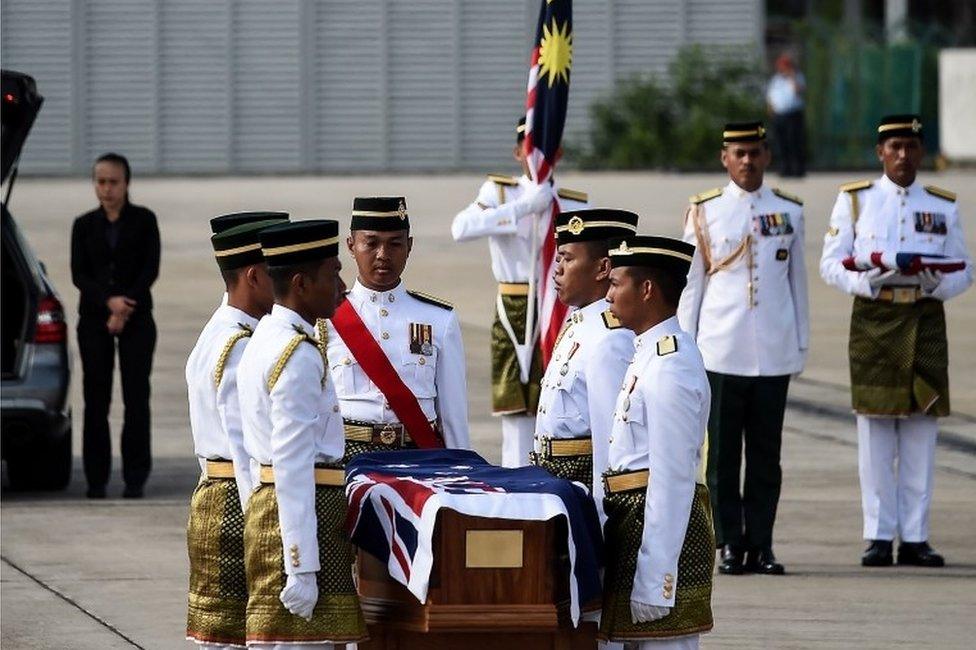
[(545, 117), (394, 498)]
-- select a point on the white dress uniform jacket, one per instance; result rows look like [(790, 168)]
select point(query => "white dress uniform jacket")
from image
[(886, 222), (291, 427), (659, 425), (437, 380), (582, 382), (509, 239), (764, 331), (215, 414)]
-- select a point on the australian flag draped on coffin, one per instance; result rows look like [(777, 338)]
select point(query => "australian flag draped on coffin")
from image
[(394, 498)]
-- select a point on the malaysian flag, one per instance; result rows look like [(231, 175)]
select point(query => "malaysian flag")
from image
[(545, 116), (394, 498), (904, 263)]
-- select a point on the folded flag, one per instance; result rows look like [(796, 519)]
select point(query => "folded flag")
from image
[(904, 263), (394, 498)]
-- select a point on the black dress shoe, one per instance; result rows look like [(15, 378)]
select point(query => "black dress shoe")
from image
[(763, 561), (731, 564), (133, 492), (919, 554), (878, 553), (96, 492)]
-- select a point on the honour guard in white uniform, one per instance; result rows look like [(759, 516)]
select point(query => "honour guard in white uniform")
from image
[(506, 211), (227, 221), (215, 532), (299, 562), (396, 355), (898, 349), (746, 308), (659, 540), (592, 353)]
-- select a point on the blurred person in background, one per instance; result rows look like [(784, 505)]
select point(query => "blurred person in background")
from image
[(784, 97), (114, 262)]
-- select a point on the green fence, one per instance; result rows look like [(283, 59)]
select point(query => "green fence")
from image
[(853, 80)]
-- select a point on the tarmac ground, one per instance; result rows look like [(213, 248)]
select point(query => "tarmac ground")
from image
[(113, 574)]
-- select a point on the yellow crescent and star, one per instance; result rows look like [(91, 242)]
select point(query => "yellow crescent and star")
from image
[(556, 52)]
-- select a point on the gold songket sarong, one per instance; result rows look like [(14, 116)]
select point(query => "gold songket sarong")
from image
[(215, 544), (568, 458), (692, 611), (899, 358), (509, 396), (337, 617)]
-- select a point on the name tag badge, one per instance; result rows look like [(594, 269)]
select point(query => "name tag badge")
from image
[(775, 224), (421, 339), (782, 254), (933, 223)]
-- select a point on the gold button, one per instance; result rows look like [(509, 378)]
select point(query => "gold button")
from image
[(392, 297), (386, 335), (347, 361), (668, 577), (372, 298), (296, 563), (383, 312), (294, 547), (422, 360)]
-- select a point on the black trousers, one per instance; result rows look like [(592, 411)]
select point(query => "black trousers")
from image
[(136, 345), (789, 130), (749, 408)]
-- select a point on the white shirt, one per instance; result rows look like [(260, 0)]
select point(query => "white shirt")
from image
[(887, 223), (291, 426), (582, 382), (766, 333), (785, 94), (437, 380), (659, 424), (509, 240), (215, 415)]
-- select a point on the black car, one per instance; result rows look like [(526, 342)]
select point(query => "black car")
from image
[(34, 403)]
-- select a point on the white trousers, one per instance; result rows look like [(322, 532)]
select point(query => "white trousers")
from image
[(683, 643), (518, 432), (896, 459)]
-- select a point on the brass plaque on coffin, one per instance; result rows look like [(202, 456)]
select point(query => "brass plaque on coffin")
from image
[(493, 549)]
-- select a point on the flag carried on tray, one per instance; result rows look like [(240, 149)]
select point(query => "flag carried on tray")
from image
[(545, 116), (905, 263), (394, 498)]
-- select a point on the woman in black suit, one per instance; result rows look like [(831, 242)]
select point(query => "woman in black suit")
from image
[(114, 262)]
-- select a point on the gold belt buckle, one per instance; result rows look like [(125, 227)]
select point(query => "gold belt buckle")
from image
[(388, 434), (903, 295)]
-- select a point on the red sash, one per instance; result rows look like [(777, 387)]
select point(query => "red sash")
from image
[(381, 372)]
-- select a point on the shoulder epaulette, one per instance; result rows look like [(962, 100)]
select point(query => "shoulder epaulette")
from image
[(667, 345), (705, 196), (430, 300), (572, 195), (793, 198), (855, 186), (611, 321), (941, 193), (243, 333), (286, 354), (502, 179)]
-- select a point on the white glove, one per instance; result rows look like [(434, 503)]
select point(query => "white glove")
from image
[(300, 594), (877, 278), (535, 200), (929, 280), (644, 613)]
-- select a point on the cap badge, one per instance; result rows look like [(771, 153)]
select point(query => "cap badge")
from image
[(761, 130), (916, 126), (402, 211), (623, 247), (575, 225)]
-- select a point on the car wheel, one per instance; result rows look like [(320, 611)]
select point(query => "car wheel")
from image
[(47, 467)]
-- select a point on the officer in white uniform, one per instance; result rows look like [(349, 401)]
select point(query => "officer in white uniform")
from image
[(746, 307), (898, 348), (233, 219), (592, 353), (419, 334), (216, 610), (301, 593), (656, 510), (505, 212)]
